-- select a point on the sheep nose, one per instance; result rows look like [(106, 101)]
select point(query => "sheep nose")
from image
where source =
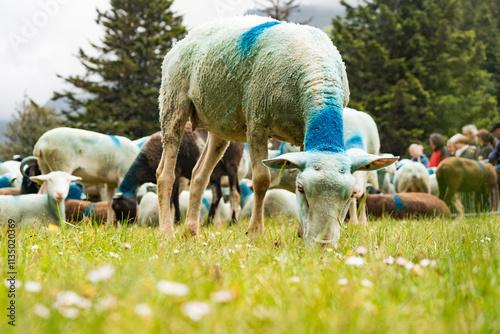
[(59, 196)]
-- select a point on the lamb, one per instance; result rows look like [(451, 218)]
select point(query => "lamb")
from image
[(412, 176), (456, 175), (144, 167), (95, 157), (360, 137), (406, 205), (277, 202), (25, 209), (250, 78)]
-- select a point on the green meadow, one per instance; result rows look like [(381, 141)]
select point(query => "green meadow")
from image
[(414, 276)]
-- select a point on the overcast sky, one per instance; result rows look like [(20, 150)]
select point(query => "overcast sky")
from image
[(39, 39)]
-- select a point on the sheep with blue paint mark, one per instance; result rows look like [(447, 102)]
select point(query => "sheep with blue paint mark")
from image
[(48, 208), (95, 157), (360, 137), (250, 78)]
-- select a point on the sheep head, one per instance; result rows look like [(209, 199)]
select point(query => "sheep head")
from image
[(57, 183), (324, 188)]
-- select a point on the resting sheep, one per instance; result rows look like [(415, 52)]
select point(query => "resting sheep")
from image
[(412, 176), (25, 209), (95, 157), (458, 175), (77, 210), (277, 202), (406, 205), (250, 78), (360, 138)]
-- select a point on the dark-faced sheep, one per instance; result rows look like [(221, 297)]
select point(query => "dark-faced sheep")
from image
[(406, 205), (461, 175)]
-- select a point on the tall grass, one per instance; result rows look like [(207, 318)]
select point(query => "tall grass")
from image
[(273, 283)]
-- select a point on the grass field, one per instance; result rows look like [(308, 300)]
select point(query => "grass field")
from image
[(97, 280)]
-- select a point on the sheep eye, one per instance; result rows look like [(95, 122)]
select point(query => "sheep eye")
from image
[(341, 171), (367, 166), (300, 188)]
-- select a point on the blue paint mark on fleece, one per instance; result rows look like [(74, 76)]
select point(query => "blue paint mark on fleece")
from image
[(354, 142), (480, 165), (205, 203), (248, 39), (245, 192), (5, 182), (89, 210), (115, 139), (325, 129), (398, 203)]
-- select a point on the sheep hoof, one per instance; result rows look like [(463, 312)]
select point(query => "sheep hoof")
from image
[(168, 232), (190, 230), (255, 229)]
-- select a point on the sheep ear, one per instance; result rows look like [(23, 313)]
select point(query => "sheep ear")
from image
[(75, 178), (287, 161), (368, 162), (39, 178)]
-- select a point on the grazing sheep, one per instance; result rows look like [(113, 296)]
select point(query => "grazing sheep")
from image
[(277, 202), (458, 175), (25, 209), (250, 78), (360, 138), (77, 210), (412, 176), (95, 157), (406, 205)]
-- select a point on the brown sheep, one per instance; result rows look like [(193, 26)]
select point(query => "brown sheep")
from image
[(460, 175), (407, 205), (78, 210)]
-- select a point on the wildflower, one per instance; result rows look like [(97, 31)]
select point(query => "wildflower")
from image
[(343, 281), (202, 252), (106, 303), (176, 251), (487, 239), (355, 261), (218, 233), (34, 247), (223, 296), (196, 310), (17, 284), (53, 228), (154, 257), (389, 260), (401, 261), (329, 250), (361, 250), (69, 312), (366, 283), (114, 255), (41, 310), (427, 262), (230, 251), (242, 266), (237, 246), (172, 288), (60, 253), (417, 270), (204, 243), (69, 298), (143, 310), (409, 265), (100, 274), (295, 279), (33, 286), (127, 245)]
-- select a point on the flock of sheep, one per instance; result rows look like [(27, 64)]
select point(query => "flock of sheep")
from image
[(246, 79)]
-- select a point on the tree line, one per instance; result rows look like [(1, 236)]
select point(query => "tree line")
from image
[(417, 66)]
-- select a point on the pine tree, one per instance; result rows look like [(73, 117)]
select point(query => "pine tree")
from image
[(121, 83), (29, 122), (415, 68)]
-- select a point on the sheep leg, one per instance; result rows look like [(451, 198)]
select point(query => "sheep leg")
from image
[(110, 191), (214, 213), (175, 199), (234, 192), (213, 151), (362, 212), (353, 217), (261, 178)]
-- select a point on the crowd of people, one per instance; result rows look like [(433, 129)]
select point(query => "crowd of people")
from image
[(480, 145)]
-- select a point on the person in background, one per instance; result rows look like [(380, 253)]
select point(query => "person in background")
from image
[(417, 154), (450, 144), (485, 143), (470, 132), (463, 148), (494, 155), (439, 152), (495, 131)]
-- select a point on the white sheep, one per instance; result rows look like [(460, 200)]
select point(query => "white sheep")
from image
[(250, 78), (360, 138), (412, 176), (9, 166), (49, 208), (277, 202), (95, 157)]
